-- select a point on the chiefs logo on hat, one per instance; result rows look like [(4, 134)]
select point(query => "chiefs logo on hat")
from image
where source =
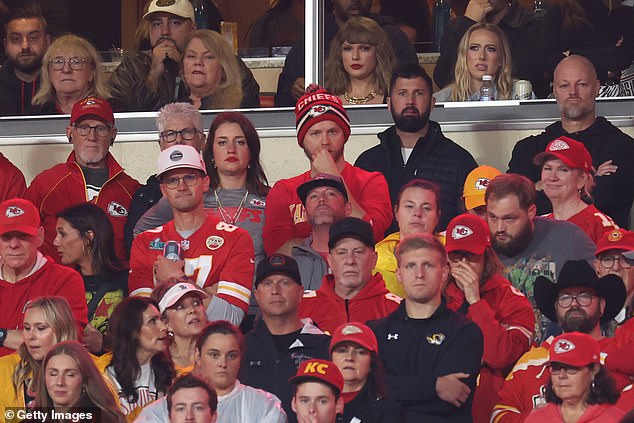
[(481, 184), (14, 212), (615, 235), (558, 145), (350, 330), (318, 110), (461, 231), (563, 346)]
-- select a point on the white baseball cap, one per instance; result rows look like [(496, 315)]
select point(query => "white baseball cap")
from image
[(180, 8), (178, 291), (178, 157)]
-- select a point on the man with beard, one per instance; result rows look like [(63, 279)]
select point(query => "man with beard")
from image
[(579, 302), (323, 128), (576, 87), (25, 42), (415, 148), (530, 246), (326, 201), (90, 174)]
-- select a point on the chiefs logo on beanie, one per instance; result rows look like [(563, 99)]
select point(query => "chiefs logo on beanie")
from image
[(317, 105)]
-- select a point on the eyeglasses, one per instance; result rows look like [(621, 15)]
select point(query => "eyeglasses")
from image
[(173, 183), (75, 63), (584, 299), (457, 256), (607, 262), (555, 369), (186, 133), (102, 131)]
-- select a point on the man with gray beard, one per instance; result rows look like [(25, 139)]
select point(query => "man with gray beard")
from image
[(579, 302), (575, 87)]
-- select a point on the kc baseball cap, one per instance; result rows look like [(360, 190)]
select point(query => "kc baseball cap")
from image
[(476, 185), (617, 239), (354, 332), (181, 8), (277, 263), (19, 215), (321, 180), (467, 232), (92, 107), (318, 370), (178, 157), (318, 105), (351, 227), (574, 349), (178, 291), (571, 152)]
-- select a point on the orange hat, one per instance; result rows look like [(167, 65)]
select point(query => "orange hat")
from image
[(476, 185)]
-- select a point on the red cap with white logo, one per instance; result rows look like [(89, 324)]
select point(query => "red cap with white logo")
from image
[(19, 215), (574, 349), (571, 152), (467, 232)]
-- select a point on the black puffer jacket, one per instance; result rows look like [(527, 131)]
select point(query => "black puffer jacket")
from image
[(435, 158)]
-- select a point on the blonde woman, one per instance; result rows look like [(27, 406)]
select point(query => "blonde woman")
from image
[(211, 72), (483, 50), (70, 72), (360, 63), (47, 321)]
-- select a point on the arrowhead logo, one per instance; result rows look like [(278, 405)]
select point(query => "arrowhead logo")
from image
[(461, 231)]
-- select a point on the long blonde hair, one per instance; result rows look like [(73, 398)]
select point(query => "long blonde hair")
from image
[(82, 48), (228, 93), (359, 30), (461, 88), (59, 316)]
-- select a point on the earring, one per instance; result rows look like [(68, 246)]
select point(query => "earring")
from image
[(213, 162), (170, 333), (592, 387)]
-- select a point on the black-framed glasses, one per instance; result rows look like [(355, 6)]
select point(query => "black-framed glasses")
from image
[(185, 133), (75, 63), (173, 182), (458, 255), (584, 299), (102, 131), (607, 262), (557, 368)]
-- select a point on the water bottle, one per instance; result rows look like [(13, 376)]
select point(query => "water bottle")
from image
[(441, 17), (201, 13), (487, 89)]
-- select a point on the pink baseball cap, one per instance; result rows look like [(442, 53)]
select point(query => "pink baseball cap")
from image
[(180, 157)]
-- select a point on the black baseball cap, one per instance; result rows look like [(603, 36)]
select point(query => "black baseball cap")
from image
[(278, 263), (351, 227), (321, 180)]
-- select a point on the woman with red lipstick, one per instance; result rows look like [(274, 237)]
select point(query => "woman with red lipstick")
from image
[(139, 368), (182, 310), (72, 383), (483, 50), (360, 63), (47, 320)]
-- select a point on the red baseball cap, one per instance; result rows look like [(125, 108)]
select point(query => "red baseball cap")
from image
[(574, 349), (467, 232), (19, 215), (92, 106), (320, 371), (354, 332), (618, 239), (571, 152)]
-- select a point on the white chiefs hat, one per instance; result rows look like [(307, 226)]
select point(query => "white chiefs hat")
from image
[(179, 157)]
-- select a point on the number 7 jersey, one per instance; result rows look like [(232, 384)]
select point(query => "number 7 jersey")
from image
[(217, 253)]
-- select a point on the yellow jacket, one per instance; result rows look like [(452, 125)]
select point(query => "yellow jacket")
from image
[(386, 262), (9, 395)]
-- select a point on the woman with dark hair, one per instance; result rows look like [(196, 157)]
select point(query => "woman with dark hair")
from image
[(47, 321), (72, 382), (85, 240), (360, 63), (354, 350), (478, 290), (579, 389), (139, 368)]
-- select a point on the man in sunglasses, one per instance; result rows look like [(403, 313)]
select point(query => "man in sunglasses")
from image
[(177, 124), (207, 252), (579, 301), (90, 174)]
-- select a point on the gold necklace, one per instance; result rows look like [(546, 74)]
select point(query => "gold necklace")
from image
[(359, 100), (224, 214)]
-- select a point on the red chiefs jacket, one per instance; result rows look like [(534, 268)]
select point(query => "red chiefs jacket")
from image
[(506, 319), (12, 183), (64, 185), (328, 310)]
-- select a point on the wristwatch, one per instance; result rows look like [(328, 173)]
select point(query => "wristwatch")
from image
[(3, 336)]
